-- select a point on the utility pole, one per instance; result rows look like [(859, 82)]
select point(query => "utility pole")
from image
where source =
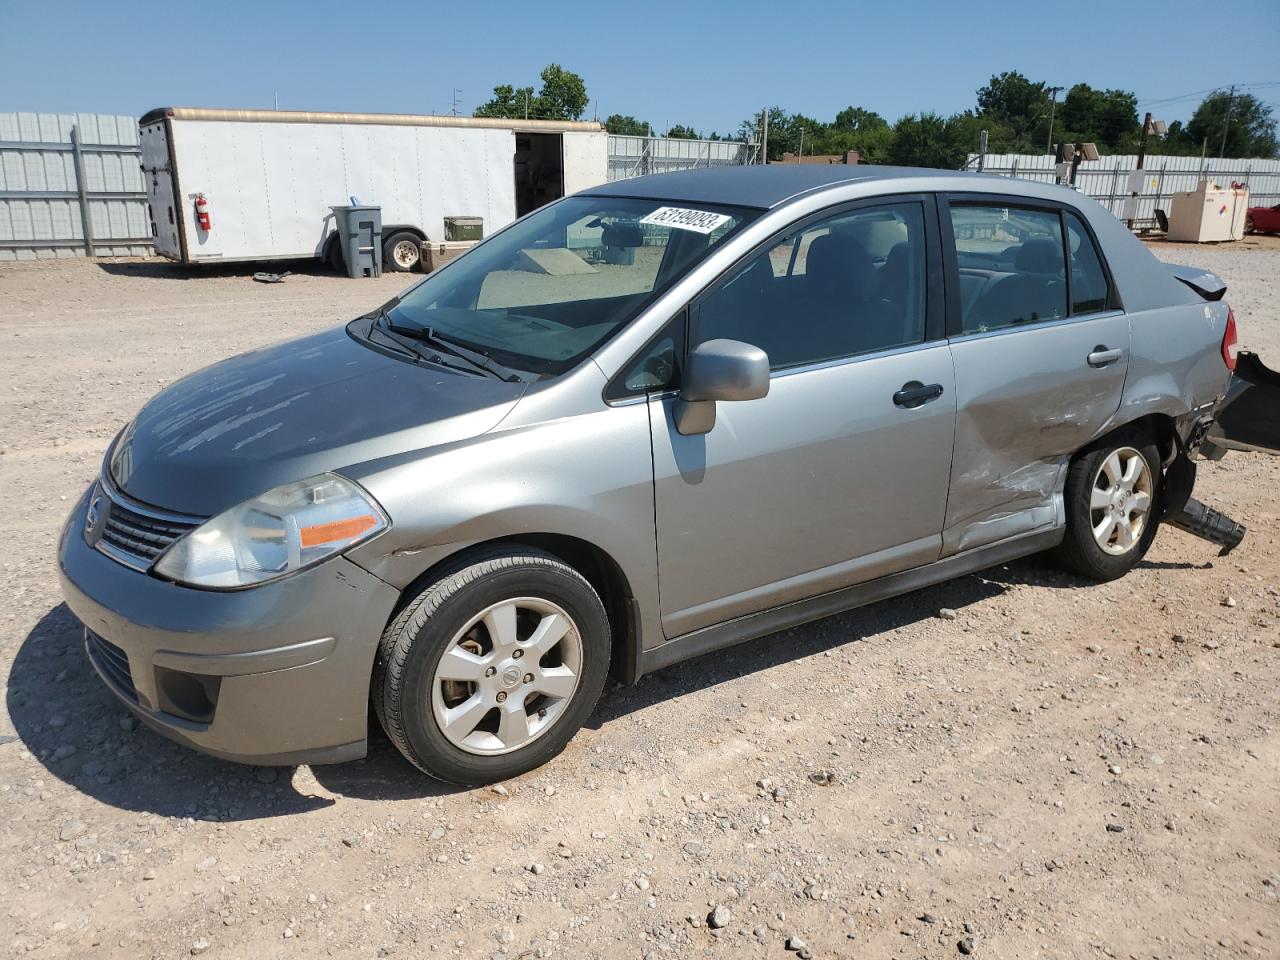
[(801, 154), (764, 139), (454, 111), (1142, 144), (1053, 109), (1226, 121)]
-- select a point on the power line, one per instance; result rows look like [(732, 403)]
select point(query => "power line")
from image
[(1201, 93)]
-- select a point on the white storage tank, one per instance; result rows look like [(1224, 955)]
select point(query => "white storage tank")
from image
[(1208, 214)]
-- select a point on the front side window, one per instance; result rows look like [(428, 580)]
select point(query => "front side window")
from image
[(1012, 266), (544, 293), (846, 285)]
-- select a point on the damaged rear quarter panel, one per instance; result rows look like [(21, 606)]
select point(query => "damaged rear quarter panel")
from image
[(1176, 365)]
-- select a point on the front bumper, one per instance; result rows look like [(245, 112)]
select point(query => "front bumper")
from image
[(274, 674)]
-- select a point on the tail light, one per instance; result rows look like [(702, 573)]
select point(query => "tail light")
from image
[(1229, 348)]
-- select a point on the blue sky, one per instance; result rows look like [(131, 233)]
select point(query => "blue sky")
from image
[(705, 64)]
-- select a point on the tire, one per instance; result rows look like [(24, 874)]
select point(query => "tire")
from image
[(334, 258), (402, 252), (1248, 223), (1090, 547), (478, 746)]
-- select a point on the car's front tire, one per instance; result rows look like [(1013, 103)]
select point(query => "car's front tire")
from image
[(1111, 498), (489, 671)]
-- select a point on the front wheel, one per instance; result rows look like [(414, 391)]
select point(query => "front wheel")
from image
[(491, 670), (1110, 498)]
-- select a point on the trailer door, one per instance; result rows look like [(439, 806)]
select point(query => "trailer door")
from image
[(157, 169), (585, 160)]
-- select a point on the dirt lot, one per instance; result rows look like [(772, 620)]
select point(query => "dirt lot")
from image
[(1062, 770)]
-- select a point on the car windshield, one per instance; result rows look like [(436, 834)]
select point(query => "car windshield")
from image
[(544, 293)]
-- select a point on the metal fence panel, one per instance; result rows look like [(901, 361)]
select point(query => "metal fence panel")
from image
[(1107, 179), (44, 202), (639, 156)]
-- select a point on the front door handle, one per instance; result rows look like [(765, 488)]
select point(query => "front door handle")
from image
[(1101, 356), (916, 394)]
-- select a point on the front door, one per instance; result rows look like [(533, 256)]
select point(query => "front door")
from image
[(839, 475), (1041, 349)]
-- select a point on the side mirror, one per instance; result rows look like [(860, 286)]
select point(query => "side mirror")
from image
[(719, 370)]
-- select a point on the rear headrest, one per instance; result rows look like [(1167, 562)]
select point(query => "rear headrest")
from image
[(833, 258), (1039, 256)]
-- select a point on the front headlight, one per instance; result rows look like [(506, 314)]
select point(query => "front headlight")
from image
[(277, 533)]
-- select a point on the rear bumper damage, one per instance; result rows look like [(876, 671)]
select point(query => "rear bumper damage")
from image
[(1247, 418)]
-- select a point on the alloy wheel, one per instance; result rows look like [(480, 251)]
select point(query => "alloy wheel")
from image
[(1120, 501), (507, 676)]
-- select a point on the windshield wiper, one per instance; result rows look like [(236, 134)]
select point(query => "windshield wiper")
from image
[(476, 359)]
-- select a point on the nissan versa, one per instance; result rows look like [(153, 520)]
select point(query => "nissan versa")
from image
[(642, 423)]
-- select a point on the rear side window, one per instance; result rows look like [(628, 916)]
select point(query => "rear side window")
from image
[(1012, 266), (1090, 291), (849, 284)]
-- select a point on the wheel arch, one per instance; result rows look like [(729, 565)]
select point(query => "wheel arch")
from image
[(601, 570), (390, 228), (1161, 427)]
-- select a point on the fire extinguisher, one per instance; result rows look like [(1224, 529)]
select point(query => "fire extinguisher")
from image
[(202, 213)]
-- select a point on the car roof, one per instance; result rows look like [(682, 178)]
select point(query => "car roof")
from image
[(769, 186)]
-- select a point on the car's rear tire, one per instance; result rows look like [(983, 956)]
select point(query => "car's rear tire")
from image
[(1111, 498), (453, 687), (1248, 223), (402, 252)]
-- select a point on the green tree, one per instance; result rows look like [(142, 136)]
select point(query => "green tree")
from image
[(681, 132), (626, 126), (927, 140), (509, 101), (563, 94), (783, 134), (858, 120), (1108, 118), (1019, 105), (563, 97), (1250, 126)]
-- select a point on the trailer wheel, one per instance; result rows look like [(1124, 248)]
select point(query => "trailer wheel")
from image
[(402, 252), (333, 257)]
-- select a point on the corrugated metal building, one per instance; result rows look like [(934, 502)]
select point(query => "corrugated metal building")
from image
[(44, 197)]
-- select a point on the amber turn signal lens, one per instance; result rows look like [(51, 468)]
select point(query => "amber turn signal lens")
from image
[(346, 529)]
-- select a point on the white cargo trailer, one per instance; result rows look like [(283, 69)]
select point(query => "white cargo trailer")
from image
[(228, 185)]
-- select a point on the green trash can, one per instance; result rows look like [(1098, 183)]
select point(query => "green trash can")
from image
[(464, 228), (360, 238)]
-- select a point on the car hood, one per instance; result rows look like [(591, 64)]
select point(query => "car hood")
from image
[(321, 402)]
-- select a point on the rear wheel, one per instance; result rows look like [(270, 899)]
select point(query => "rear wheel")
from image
[(1110, 498), (491, 670), (402, 252), (1248, 223)]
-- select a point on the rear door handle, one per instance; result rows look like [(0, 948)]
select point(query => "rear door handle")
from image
[(916, 394), (1101, 356)]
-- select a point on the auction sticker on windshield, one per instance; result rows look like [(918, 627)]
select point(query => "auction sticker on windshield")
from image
[(700, 221)]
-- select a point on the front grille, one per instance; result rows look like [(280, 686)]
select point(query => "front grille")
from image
[(135, 534), (113, 662), (141, 536)]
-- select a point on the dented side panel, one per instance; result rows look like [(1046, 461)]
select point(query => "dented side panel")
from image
[(1027, 400)]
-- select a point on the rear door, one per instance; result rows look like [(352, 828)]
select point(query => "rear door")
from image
[(157, 171), (1041, 348)]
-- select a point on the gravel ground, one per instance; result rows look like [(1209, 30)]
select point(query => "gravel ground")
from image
[(1015, 764)]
